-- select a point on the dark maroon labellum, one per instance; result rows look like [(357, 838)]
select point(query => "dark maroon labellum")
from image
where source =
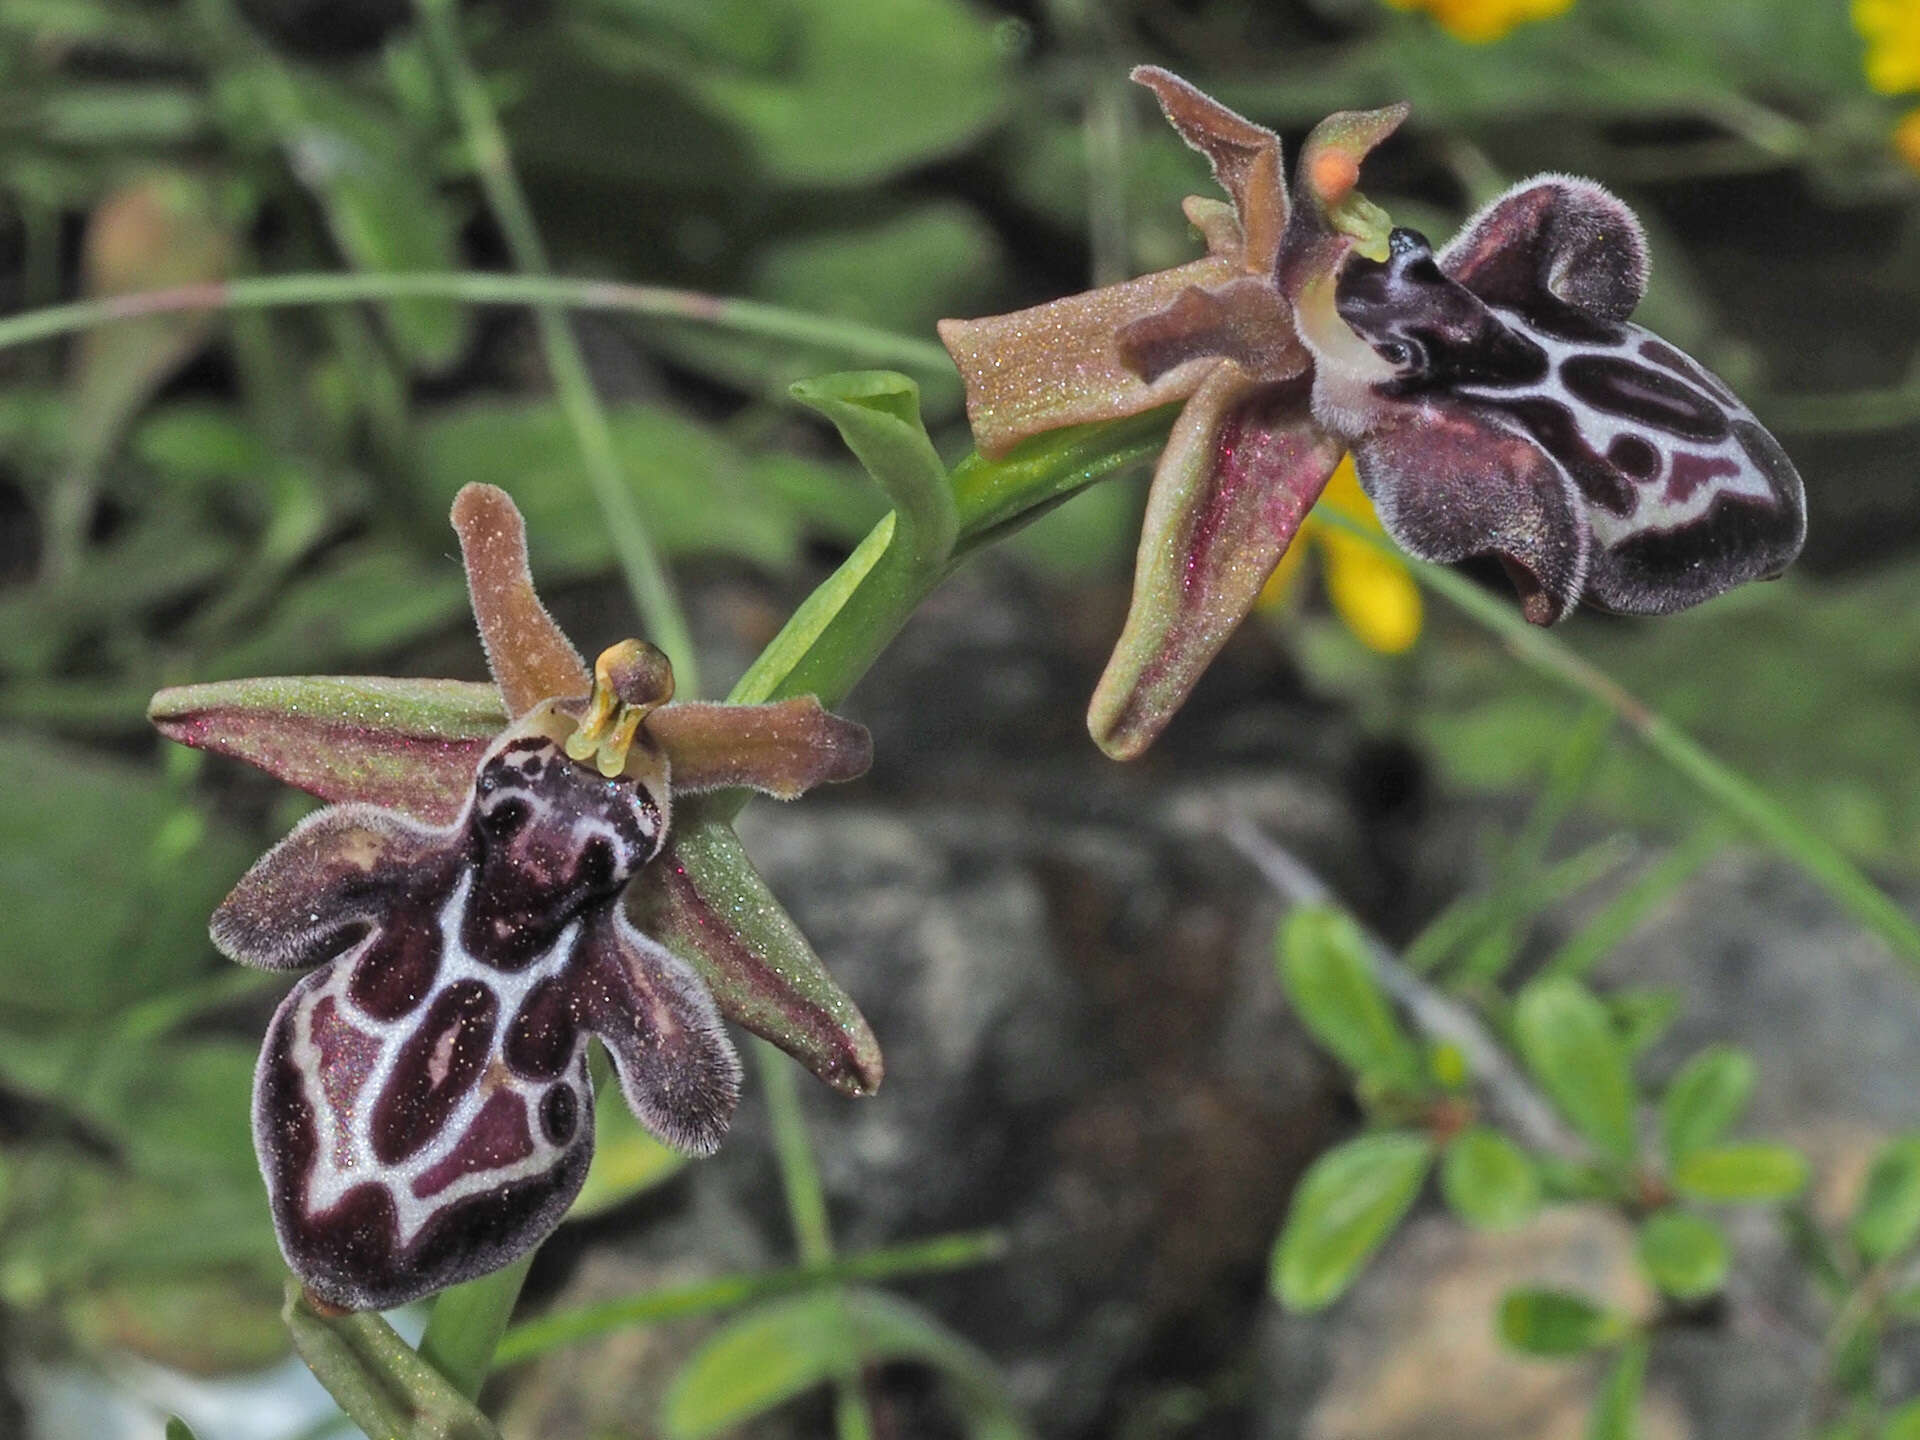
[(421, 1106)]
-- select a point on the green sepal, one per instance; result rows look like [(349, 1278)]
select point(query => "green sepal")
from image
[(706, 903), (408, 744)]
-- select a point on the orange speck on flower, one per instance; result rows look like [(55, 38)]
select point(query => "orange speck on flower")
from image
[(1891, 29), (1335, 173), (1481, 21), (1372, 591)]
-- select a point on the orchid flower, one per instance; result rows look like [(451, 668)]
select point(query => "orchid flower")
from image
[(1494, 395), (422, 1108)]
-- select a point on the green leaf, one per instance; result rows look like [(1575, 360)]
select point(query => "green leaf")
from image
[(701, 493), (382, 201), (1642, 1014), (1705, 1100), (1564, 1179), (1904, 1304), (1570, 1044), (178, 1429), (1348, 1203), (1747, 1172), (1902, 1423), (784, 1348), (1488, 1180), (931, 78), (1323, 966), (1557, 1323), (1616, 1409), (109, 878), (877, 413), (1888, 1216), (1684, 1254)]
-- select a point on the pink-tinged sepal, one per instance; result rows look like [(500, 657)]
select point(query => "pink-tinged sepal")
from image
[(675, 1064), (408, 745), (1553, 244), (706, 902), (1242, 468)]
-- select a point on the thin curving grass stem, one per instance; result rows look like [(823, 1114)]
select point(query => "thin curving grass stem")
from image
[(646, 573), (1731, 791), (866, 343)]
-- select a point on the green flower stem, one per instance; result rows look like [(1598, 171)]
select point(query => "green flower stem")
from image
[(866, 343), (807, 1212), (840, 630), (646, 573), (378, 1381), (533, 1338), (1738, 796), (799, 1176), (466, 1323)]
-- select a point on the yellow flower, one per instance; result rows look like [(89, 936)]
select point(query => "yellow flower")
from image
[(1479, 21), (1892, 32), (1906, 138), (1371, 590)]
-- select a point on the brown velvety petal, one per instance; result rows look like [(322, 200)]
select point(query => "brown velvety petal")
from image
[(782, 749), (1243, 320), (1245, 158), (532, 660), (1058, 364), (703, 899), (1554, 238), (1217, 224), (1242, 468), (329, 882), (407, 744), (1450, 485), (676, 1066)]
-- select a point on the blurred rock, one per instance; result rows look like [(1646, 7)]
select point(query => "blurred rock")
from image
[(1411, 1352)]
